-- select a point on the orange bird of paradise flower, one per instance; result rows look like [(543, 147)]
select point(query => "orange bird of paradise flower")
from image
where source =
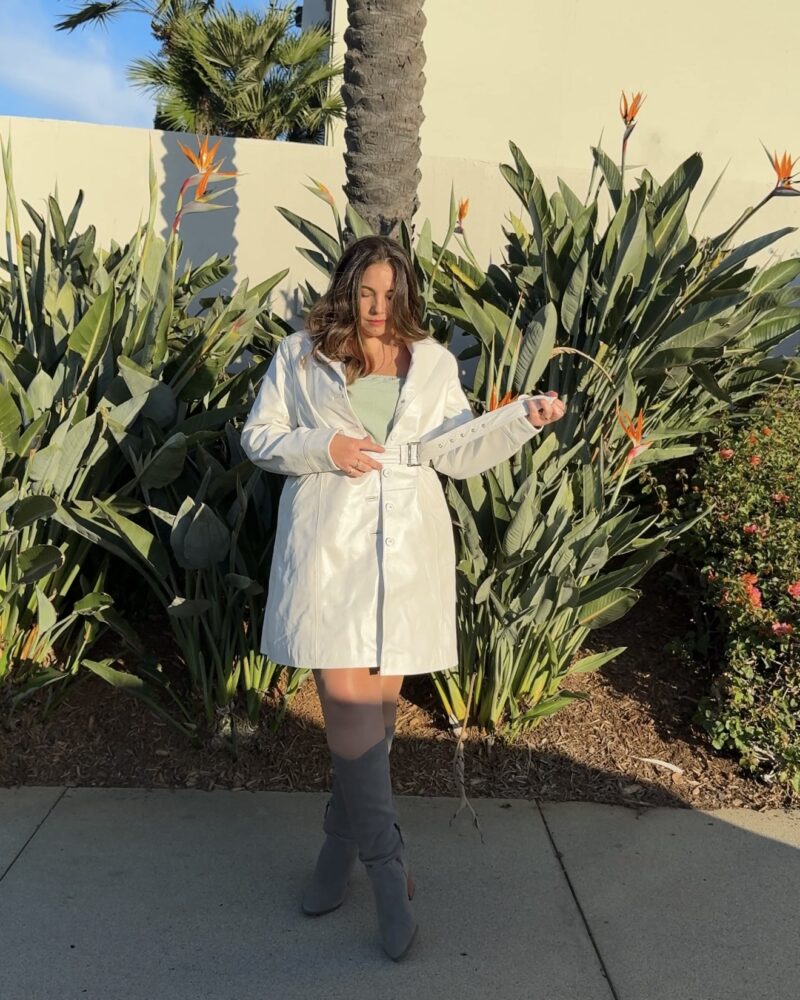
[(321, 191), (494, 404), (463, 208), (203, 161), (784, 172), (634, 431), (629, 111)]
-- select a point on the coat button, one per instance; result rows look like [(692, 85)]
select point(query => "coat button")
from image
[(390, 541), (389, 505), (386, 472)]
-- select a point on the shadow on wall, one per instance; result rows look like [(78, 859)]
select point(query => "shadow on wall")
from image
[(209, 233)]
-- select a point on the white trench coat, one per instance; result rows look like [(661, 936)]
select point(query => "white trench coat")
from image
[(363, 569)]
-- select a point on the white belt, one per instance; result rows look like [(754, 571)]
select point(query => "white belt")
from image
[(422, 452), (407, 453)]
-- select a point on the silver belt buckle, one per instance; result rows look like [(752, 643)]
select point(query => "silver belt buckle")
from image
[(413, 453)]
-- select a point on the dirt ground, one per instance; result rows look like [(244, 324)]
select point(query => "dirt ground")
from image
[(640, 707)]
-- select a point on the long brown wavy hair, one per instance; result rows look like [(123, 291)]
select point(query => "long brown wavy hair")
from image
[(333, 321)]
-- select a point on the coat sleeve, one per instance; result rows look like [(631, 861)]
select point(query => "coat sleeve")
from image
[(465, 445), (271, 436)]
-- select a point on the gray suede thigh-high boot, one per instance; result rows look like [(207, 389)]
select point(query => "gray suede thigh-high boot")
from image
[(367, 790), (338, 855)]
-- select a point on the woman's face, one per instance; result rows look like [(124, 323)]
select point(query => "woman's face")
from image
[(375, 300)]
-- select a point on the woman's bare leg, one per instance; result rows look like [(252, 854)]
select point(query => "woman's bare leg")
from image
[(353, 708), (390, 692)]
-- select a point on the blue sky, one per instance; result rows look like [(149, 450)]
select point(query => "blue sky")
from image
[(78, 75)]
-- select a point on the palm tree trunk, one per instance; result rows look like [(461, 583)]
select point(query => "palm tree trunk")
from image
[(382, 92)]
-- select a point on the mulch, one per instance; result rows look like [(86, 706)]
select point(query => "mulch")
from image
[(631, 743)]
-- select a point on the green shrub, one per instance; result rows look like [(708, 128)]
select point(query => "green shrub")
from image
[(750, 581), (119, 443)]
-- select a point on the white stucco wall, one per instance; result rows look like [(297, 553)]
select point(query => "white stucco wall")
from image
[(718, 78), (110, 164)]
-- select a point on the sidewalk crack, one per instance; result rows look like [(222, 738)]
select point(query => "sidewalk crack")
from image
[(559, 858), (36, 829)]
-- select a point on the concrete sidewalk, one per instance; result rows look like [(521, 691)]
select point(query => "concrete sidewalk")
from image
[(127, 894)]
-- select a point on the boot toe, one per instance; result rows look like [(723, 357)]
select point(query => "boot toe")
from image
[(328, 887), (317, 901), (396, 921)]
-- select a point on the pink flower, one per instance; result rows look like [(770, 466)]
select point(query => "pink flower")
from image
[(753, 593), (750, 529), (755, 460), (780, 497), (726, 453), (782, 628), (793, 590)]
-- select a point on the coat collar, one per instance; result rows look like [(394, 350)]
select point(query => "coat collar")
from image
[(424, 355)]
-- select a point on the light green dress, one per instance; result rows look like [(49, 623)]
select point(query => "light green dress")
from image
[(374, 400)]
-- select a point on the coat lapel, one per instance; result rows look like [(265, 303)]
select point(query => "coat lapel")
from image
[(423, 359)]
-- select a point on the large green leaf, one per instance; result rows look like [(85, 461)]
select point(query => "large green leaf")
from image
[(90, 336), (478, 319), (39, 561), (32, 508), (607, 608), (678, 186), (139, 540), (741, 253), (10, 418), (611, 174), (573, 298), (207, 539), (323, 241), (165, 465), (161, 405), (137, 687), (778, 276), (537, 346), (588, 664), (522, 522)]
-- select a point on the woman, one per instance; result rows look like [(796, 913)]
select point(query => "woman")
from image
[(360, 411)]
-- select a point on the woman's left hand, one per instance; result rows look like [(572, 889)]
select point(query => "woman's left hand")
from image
[(545, 411)]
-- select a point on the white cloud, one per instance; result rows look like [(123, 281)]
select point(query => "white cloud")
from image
[(75, 73)]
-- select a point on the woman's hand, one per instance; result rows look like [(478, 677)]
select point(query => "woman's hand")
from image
[(350, 454), (545, 411)]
